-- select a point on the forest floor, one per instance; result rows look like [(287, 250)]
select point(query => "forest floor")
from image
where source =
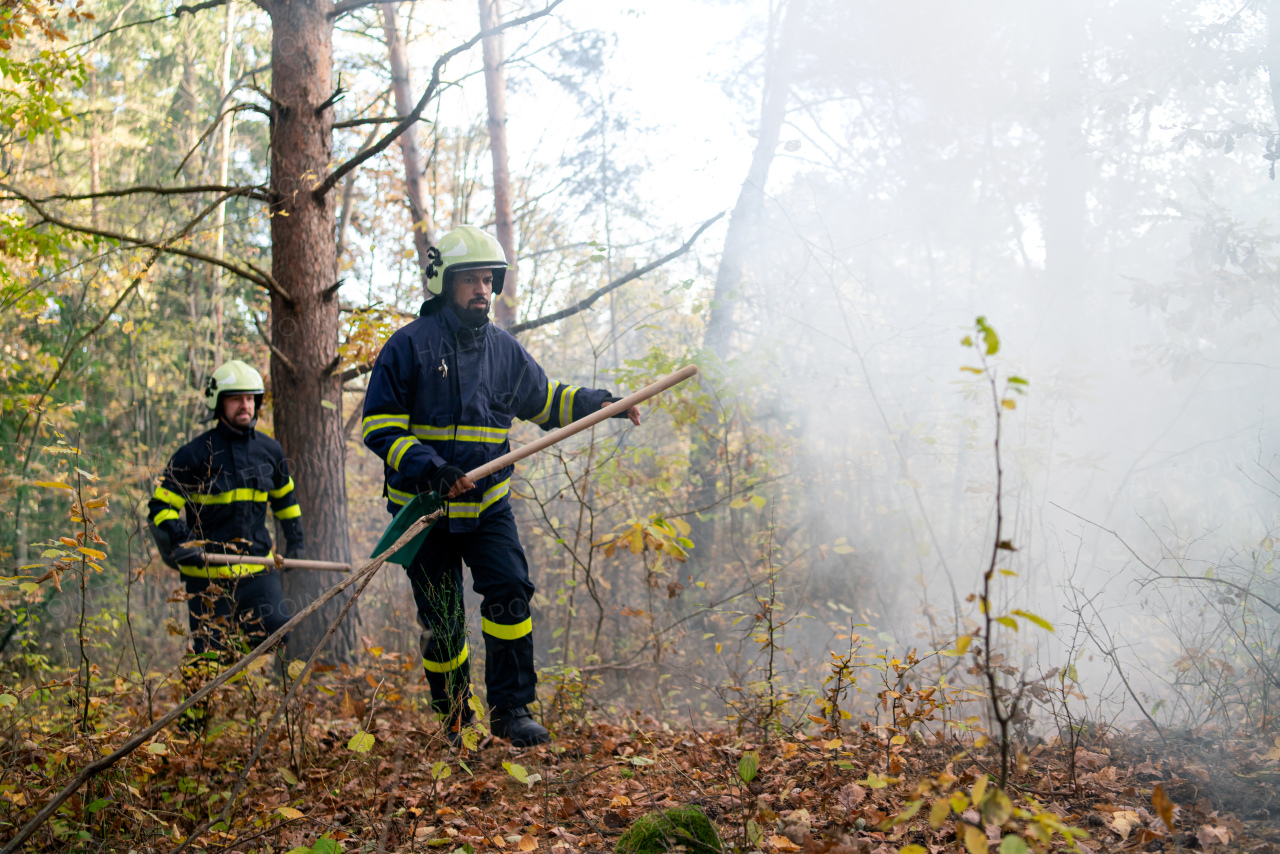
[(371, 774)]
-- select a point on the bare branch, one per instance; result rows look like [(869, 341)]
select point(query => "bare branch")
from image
[(346, 6), (377, 148), (254, 274), (586, 303), (266, 339), (353, 123), (358, 371), (247, 192), (190, 10), (199, 142)]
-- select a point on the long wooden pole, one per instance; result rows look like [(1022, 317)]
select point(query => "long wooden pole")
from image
[(283, 563), (585, 423)]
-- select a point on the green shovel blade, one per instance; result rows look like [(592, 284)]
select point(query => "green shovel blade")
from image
[(418, 506)]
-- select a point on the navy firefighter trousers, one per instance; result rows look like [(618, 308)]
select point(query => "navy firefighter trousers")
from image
[(500, 574)]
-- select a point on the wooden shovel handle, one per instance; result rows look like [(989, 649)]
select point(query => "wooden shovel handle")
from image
[(288, 563), (586, 423)]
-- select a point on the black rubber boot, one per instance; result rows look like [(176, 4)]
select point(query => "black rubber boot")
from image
[(518, 726)]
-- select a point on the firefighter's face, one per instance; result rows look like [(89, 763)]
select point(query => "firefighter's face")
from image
[(238, 410), (472, 289)]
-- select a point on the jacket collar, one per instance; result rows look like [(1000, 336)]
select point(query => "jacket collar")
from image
[(233, 435)]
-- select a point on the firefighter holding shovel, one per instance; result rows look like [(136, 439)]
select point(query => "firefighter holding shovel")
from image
[(223, 481), (441, 400)]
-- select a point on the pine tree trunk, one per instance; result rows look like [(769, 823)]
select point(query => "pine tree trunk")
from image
[(306, 393), (415, 181), (495, 88)]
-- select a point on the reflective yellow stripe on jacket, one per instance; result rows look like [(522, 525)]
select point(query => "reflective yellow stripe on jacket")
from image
[(379, 422), (472, 509), (229, 497), (235, 570), (175, 501), (566, 404), (460, 433)]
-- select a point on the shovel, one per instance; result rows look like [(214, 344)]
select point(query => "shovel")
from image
[(428, 502)]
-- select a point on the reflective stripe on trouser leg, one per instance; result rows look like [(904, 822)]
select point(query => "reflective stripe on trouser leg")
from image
[(501, 576), (435, 575)]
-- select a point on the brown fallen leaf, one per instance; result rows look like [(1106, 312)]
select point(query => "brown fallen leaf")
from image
[(1209, 835), (1163, 806)]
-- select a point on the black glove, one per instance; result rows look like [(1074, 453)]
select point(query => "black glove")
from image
[(608, 399), (443, 479), (295, 552), (188, 556)]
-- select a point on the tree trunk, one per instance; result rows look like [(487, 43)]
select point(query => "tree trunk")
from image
[(738, 241), (740, 236), (307, 394), (495, 88), (415, 179), (224, 162)]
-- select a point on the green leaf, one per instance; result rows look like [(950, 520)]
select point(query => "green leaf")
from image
[(913, 849), (1008, 621), (97, 805), (440, 771), (327, 845), (8, 701), (361, 742), (748, 765), (328, 404), (754, 833), (517, 771), (1039, 621), (758, 500), (1016, 380), (288, 776), (158, 748), (989, 336), (1013, 844)]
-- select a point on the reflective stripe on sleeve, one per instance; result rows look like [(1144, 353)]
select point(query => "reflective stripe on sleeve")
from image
[(378, 422), (395, 496), (398, 449), (171, 498), (566, 405), (293, 511), (446, 666), (282, 491), (472, 509), (229, 497), (164, 516), (541, 417), (498, 630)]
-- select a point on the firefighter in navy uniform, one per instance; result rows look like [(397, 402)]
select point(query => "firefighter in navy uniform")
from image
[(223, 481), (441, 400)]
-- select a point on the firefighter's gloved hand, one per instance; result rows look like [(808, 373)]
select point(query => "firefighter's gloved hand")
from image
[(445, 479), (188, 556), (633, 412)]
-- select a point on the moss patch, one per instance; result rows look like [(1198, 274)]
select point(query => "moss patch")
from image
[(660, 832)]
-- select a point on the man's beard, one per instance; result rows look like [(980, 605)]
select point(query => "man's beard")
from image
[(471, 317)]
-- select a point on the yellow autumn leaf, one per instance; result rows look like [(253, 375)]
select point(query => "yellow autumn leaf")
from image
[(975, 841), (288, 812), (93, 553), (528, 843)]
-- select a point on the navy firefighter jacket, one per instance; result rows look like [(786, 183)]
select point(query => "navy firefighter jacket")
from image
[(224, 479), (442, 393)]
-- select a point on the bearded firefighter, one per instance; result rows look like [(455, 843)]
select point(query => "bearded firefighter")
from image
[(212, 499), (441, 401)]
